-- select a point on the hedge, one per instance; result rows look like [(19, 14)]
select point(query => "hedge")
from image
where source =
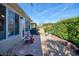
[(67, 29)]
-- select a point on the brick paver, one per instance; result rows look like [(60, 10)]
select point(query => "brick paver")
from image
[(55, 47), (22, 49)]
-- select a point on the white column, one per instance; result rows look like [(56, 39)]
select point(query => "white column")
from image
[(21, 28), (6, 23)]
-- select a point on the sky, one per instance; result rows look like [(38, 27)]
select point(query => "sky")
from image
[(50, 12)]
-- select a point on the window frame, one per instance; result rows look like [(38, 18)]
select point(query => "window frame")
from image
[(9, 19), (14, 22)]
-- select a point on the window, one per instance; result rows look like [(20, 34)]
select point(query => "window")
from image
[(11, 23), (16, 24), (26, 25), (2, 22)]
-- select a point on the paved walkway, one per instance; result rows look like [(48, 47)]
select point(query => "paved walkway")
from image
[(22, 49)]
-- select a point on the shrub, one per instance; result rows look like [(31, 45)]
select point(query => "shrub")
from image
[(67, 29)]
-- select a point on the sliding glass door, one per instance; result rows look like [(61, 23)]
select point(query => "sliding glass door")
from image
[(12, 20), (2, 22), (13, 23)]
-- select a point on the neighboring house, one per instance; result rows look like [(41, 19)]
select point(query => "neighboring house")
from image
[(33, 25), (13, 22)]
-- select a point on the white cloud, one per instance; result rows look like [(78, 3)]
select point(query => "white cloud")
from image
[(59, 12), (46, 11)]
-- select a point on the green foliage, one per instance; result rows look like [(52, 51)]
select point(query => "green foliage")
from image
[(67, 29)]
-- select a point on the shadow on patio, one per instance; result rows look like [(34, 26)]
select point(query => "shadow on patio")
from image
[(57, 48)]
